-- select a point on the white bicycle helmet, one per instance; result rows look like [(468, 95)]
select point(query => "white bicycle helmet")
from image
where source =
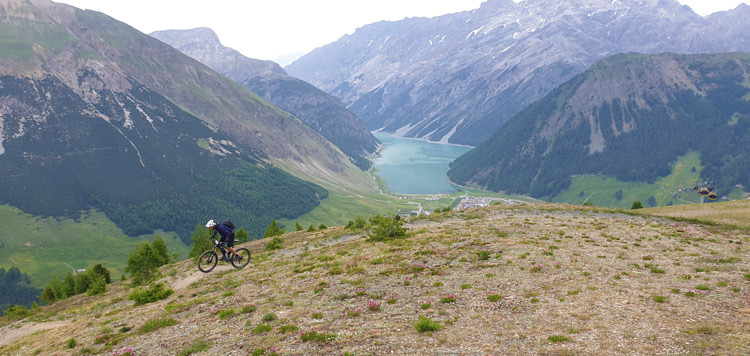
[(210, 223)]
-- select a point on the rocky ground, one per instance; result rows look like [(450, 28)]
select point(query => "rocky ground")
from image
[(504, 280)]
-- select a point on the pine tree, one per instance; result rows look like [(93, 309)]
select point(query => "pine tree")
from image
[(273, 230), (98, 284), (68, 285), (102, 271), (143, 263), (201, 241), (83, 281), (161, 249), (48, 295), (242, 235)]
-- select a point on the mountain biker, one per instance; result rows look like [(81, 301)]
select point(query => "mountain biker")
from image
[(226, 232)]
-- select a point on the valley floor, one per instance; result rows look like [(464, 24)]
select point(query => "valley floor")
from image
[(502, 280)]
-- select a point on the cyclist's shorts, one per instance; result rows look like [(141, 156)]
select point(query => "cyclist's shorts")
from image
[(230, 240)]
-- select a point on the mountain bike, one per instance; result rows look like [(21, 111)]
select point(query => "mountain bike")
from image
[(208, 260)]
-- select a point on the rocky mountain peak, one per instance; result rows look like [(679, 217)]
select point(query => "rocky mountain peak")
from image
[(203, 36), (458, 77), (204, 45), (497, 4), (738, 14)]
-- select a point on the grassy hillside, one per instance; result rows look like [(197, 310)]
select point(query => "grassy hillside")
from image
[(735, 214), (130, 126), (344, 205), (512, 280), (43, 246), (601, 190)]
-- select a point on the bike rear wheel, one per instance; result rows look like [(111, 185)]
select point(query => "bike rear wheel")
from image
[(207, 261), (242, 258)]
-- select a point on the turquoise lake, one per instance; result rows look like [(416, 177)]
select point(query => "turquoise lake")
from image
[(413, 166)]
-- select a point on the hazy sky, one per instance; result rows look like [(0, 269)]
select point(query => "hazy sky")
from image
[(268, 29)]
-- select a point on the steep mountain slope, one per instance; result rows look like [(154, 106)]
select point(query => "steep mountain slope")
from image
[(322, 112), (96, 114), (629, 116), (508, 280), (458, 78)]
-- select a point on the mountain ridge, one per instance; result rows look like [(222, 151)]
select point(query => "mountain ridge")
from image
[(630, 116), (96, 114), (458, 78), (320, 111)]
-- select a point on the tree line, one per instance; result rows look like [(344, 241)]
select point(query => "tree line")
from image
[(717, 125), (16, 289)]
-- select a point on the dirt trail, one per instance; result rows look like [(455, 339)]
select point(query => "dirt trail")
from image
[(184, 282), (316, 245), (9, 335), (197, 276)]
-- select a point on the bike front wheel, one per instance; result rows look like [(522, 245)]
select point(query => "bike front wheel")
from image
[(242, 258), (207, 261)]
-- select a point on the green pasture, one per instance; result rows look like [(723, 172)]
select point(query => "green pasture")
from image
[(44, 246), (339, 208), (601, 190)]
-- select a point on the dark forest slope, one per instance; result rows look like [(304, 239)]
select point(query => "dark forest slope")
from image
[(629, 116)]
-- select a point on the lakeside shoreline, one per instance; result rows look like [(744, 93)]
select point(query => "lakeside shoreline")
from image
[(415, 164), (420, 139)]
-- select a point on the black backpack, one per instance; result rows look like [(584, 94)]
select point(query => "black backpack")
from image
[(228, 223)]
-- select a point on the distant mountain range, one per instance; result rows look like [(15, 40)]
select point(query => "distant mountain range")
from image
[(95, 114), (630, 116), (458, 78), (322, 112)]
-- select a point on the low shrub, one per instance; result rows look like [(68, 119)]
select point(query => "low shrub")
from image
[(483, 255), (359, 223), (155, 324), (426, 324), (558, 338), (197, 346), (275, 244), (261, 328), (659, 298), (223, 314), (15, 312), (288, 329), (269, 317), (386, 228), (450, 298), (317, 337), (154, 293)]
